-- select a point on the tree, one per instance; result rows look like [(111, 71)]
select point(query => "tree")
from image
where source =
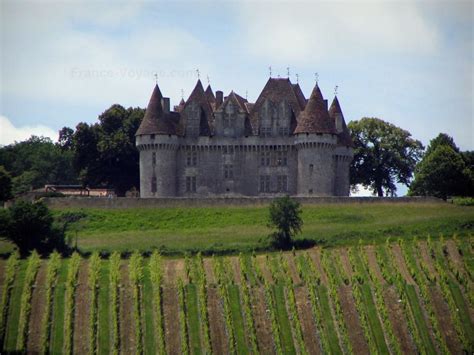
[(30, 227), (105, 152), (285, 216), (65, 138), (36, 162), (384, 155), (5, 184), (444, 171)]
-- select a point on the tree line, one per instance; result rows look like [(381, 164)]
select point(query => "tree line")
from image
[(103, 154)]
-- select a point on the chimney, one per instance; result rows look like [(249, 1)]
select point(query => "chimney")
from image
[(219, 98), (165, 103)]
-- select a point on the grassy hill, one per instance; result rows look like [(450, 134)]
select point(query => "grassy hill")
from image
[(224, 230), (401, 297)]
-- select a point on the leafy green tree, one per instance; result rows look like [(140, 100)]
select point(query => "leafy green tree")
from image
[(30, 227), (444, 171), (384, 155), (285, 216), (65, 138), (105, 152), (36, 162), (5, 184)]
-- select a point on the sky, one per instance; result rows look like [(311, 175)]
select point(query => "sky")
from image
[(407, 62)]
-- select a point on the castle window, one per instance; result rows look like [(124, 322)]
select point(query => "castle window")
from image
[(264, 183), (282, 183), (228, 171), (266, 131), (191, 158), (153, 184), (265, 158), (153, 158), (152, 136), (190, 184), (311, 168), (310, 191), (283, 131), (282, 158)]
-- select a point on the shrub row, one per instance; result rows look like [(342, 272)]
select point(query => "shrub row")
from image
[(32, 267), (114, 277), (54, 264), (10, 271), (136, 278), (200, 278), (182, 318), (223, 280), (94, 274), (71, 284), (249, 321), (311, 277), (156, 274)]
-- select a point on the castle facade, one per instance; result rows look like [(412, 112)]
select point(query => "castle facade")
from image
[(213, 145)]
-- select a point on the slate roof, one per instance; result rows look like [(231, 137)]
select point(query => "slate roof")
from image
[(315, 117), (210, 97), (299, 95), (275, 90), (344, 138), (199, 97), (155, 120)]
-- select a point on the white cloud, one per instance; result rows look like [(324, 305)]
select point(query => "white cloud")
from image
[(315, 31), (9, 133)]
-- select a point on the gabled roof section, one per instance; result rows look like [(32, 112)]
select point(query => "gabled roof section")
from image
[(315, 117), (276, 90), (155, 120), (198, 96), (210, 97), (299, 95), (344, 137)]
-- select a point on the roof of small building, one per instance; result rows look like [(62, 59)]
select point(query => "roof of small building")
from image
[(315, 117), (155, 120), (344, 137)]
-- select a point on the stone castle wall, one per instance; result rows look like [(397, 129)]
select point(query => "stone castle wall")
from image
[(165, 202)]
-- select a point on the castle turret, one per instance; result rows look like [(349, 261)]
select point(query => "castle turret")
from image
[(315, 140), (157, 142), (343, 153)]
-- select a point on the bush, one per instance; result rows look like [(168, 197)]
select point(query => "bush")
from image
[(285, 216), (30, 226)]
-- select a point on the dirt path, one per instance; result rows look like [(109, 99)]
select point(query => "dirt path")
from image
[(127, 322), (454, 254), (315, 255), (398, 321), (38, 302), (308, 325), (373, 264), (425, 256), (81, 311), (351, 317), (210, 278), (234, 262), (263, 264), (400, 263), (171, 318), (262, 320), (445, 322), (217, 329), (174, 269), (346, 263), (292, 268)]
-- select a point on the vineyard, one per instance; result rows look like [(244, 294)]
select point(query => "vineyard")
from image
[(397, 297)]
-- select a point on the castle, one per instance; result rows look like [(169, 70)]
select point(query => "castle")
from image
[(213, 145)]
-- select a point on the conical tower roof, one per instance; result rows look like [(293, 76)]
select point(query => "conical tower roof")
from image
[(155, 121), (335, 111), (210, 96), (315, 117)]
